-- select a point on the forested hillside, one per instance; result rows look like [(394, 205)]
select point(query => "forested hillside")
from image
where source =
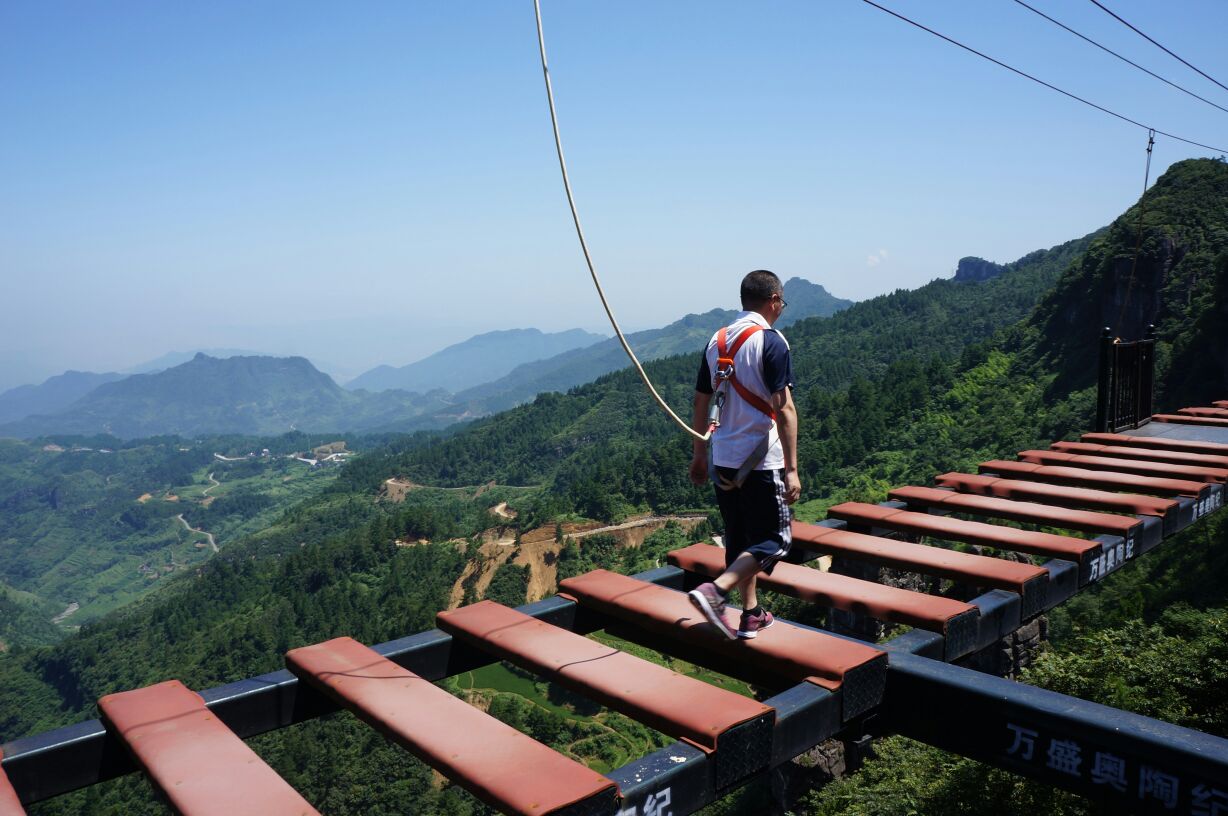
[(941, 377), (90, 524)]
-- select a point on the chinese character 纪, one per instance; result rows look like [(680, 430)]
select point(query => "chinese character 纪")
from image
[(1208, 801), (1025, 741), (1109, 769), (1158, 785), (1064, 756), (656, 804)]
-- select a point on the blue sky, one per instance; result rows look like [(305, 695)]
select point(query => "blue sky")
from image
[(365, 183)]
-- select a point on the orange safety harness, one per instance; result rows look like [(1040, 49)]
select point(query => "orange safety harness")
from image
[(725, 371)]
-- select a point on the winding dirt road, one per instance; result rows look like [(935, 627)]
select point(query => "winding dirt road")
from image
[(192, 529)]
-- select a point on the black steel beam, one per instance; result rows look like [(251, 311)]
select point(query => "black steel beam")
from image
[(56, 762), (1124, 761), (680, 778)]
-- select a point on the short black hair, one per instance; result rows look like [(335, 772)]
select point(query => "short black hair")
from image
[(758, 288)]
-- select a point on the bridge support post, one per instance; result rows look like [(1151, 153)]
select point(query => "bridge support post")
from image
[(1104, 383)]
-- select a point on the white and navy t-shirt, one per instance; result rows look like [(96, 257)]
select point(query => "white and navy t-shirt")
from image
[(763, 366)]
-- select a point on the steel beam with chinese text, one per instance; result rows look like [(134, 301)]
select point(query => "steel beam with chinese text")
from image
[(1124, 761)]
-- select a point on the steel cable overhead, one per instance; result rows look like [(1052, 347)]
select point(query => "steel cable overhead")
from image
[(588, 257), (1038, 81), (1119, 56), (1109, 12)]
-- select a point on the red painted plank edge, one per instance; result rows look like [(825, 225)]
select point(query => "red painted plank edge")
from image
[(498, 764), (886, 603), (1185, 419), (971, 532), (1162, 470), (672, 703), (1085, 521), (978, 570), (1205, 412), (198, 763), (1098, 479), (786, 652), (1146, 454), (1057, 494), (1158, 443)]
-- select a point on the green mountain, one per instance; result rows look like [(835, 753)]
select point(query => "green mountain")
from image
[(477, 360), (1177, 284), (238, 395), (176, 358), (941, 377), (89, 525), (51, 396)]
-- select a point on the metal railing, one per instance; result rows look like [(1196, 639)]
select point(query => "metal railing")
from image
[(1126, 386)]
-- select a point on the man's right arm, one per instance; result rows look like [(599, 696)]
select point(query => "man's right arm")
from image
[(699, 448), (699, 421)]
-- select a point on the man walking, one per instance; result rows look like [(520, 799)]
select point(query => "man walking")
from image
[(748, 371)]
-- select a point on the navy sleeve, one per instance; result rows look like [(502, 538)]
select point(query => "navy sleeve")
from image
[(777, 363), (703, 383)]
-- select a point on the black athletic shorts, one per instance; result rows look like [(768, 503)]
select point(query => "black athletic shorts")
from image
[(757, 517)]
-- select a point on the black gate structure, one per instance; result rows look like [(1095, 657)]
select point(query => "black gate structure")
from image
[(1126, 388)]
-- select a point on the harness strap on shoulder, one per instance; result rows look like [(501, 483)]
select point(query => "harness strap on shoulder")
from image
[(724, 359)]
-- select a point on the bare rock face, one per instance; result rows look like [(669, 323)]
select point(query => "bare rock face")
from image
[(975, 270)]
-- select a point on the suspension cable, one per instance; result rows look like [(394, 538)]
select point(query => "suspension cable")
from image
[(1119, 56), (1038, 81), (588, 258), (1138, 241), (1109, 12)]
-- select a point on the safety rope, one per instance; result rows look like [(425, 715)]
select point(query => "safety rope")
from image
[(1138, 242), (588, 258)]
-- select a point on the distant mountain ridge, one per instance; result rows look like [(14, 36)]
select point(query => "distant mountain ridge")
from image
[(245, 395), (263, 395), (691, 333), (175, 358), (52, 395), (479, 359)]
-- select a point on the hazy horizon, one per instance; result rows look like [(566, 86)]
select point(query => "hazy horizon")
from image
[(365, 186)]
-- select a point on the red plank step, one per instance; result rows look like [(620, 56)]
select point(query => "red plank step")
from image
[(10, 805), (1186, 419), (785, 653), (672, 703), (1220, 403), (995, 486), (1221, 413), (1158, 443), (1096, 479), (198, 763), (1084, 521), (1030, 582), (1194, 473), (507, 769), (1048, 545), (1146, 454), (955, 620)]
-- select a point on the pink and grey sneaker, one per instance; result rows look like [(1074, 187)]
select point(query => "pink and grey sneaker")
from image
[(752, 625), (709, 600)]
